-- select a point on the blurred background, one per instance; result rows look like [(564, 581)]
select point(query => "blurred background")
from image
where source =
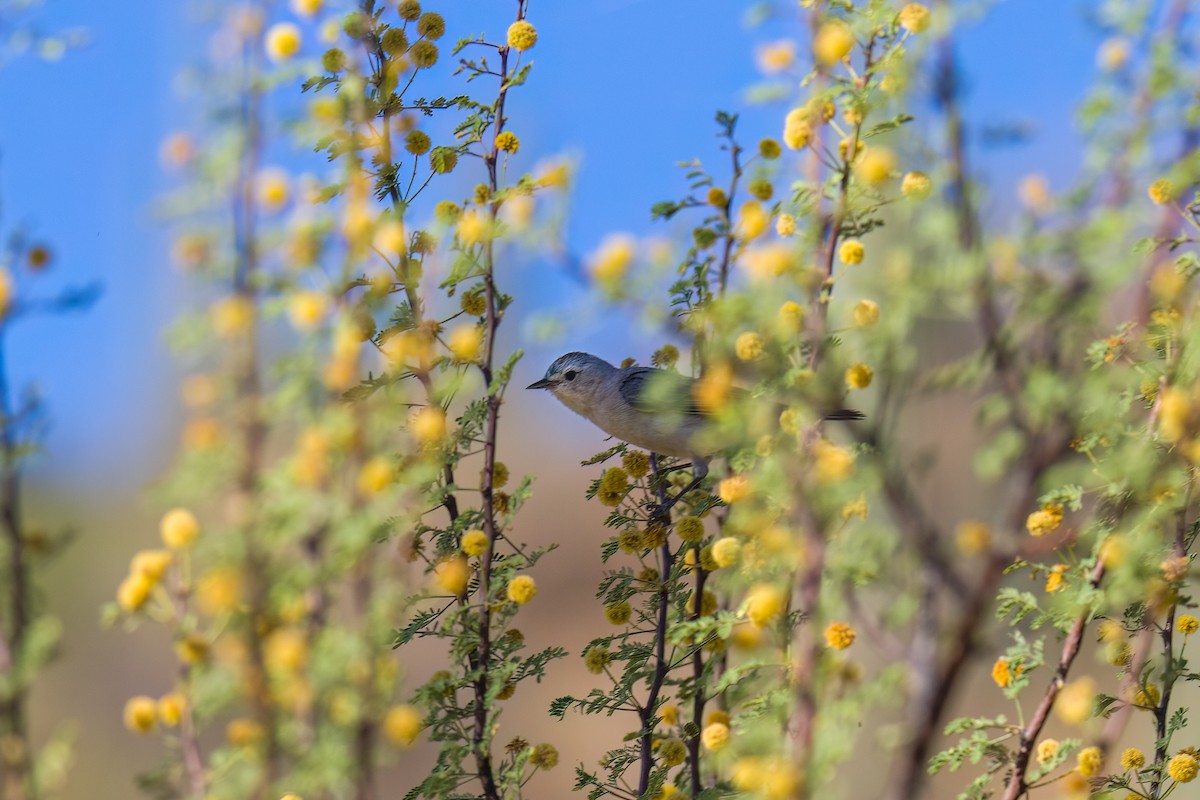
[(626, 88)]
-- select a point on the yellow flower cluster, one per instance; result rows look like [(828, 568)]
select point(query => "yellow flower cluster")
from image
[(614, 483), (832, 43), (1046, 750), (401, 725), (839, 635), (522, 35), (1133, 758), (1090, 761), (1183, 767), (859, 376), (146, 571), (1045, 520), (596, 659), (521, 589), (1187, 624), (851, 251), (179, 528)]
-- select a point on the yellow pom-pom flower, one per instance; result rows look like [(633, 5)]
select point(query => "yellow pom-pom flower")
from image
[(726, 551), (1133, 758), (876, 166), (544, 756), (1002, 673), (428, 425), (859, 376), (170, 709), (465, 342), (839, 635), (764, 602), (282, 41), (851, 251), (734, 489), (916, 185), (618, 613), (150, 564), (375, 476), (306, 309), (452, 575), (474, 542), (1187, 624), (522, 35), (141, 714), (402, 725), (715, 736), (797, 130), (1046, 750), (521, 589), (508, 142), (914, 18), (832, 43), (672, 752), (179, 528), (1090, 761), (613, 259), (1045, 520), (1183, 767), (752, 220), (1161, 192), (748, 346), (306, 8)]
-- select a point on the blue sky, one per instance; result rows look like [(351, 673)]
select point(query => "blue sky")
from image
[(630, 86)]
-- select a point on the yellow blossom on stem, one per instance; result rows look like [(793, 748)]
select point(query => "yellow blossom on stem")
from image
[(851, 251), (1046, 750), (797, 130), (1187, 624), (832, 43), (282, 41), (141, 714), (1002, 673), (1183, 767), (1076, 700), (401, 725), (715, 736), (170, 709), (521, 589), (1045, 520), (866, 313), (522, 35), (748, 346), (1133, 758), (1161, 192), (876, 166), (831, 463), (452, 575), (1090, 761), (859, 376), (544, 756), (914, 18), (734, 489), (839, 635), (764, 602), (474, 542), (916, 185), (179, 528)]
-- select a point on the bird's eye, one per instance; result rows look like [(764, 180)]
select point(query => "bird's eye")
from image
[(570, 374)]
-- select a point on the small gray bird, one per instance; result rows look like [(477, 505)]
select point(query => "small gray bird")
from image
[(654, 409)]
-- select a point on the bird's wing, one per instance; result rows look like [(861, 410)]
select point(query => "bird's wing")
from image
[(657, 390)]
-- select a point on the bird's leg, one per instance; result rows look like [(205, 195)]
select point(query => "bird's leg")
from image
[(663, 510)]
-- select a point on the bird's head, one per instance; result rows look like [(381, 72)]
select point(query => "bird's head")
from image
[(576, 379)]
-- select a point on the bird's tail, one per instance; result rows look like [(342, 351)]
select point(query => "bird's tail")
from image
[(844, 414)]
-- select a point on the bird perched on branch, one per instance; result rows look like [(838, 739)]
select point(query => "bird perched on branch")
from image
[(654, 409)]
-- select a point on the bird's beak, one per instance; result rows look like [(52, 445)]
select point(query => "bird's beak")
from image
[(542, 384)]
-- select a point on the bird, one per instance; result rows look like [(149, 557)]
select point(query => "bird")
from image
[(651, 408)]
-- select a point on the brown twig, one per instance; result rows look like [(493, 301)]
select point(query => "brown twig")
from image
[(1028, 737)]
